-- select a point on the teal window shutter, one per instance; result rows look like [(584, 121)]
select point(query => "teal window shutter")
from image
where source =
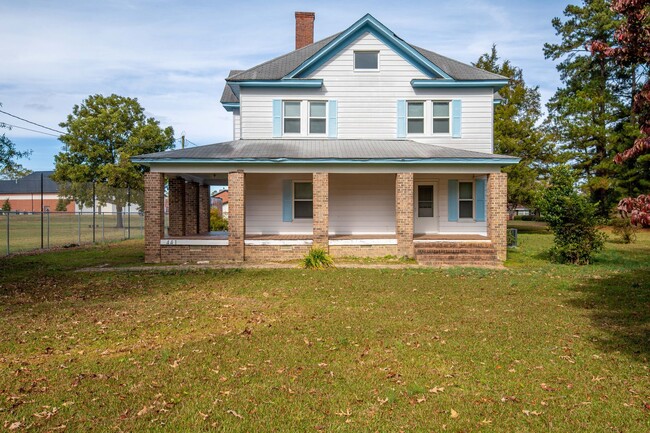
[(401, 118), (456, 118), (480, 199), (452, 193), (287, 200), (277, 118), (332, 120)]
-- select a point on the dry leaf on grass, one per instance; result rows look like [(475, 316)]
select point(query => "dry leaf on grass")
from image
[(235, 414), (454, 414)]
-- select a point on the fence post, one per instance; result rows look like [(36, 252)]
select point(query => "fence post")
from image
[(142, 225), (103, 227), (79, 228), (48, 230), (128, 209), (8, 251), (94, 207)]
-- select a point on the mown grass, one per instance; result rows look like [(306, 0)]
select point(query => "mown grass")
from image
[(535, 347)]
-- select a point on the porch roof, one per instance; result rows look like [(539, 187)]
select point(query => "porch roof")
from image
[(306, 151)]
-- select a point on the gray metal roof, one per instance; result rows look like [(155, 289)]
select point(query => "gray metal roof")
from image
[(326, 149), (30, 184), (457, 70)]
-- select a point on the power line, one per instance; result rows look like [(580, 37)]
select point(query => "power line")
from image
[(33, 123), (193, 144), (27, 129)]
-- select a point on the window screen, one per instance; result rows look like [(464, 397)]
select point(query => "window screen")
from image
[(366, 60)]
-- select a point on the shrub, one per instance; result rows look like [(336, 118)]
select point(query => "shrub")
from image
[(624, 229), (6, 206), (317, 258), (572, 218), (217, 222), (527, 218), (62, 205)]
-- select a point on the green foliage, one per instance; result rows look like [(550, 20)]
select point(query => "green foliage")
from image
[(6, 206), (317, 258), (103, 133), (62, 204), (590, 114), (571, 217), (516, 130), (623, 228), (9, 168), (527, 218), (217, 222)]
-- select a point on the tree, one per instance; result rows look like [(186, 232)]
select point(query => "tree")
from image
[(588, 114), (62, 204), (103, 133), (516, 130), (630, 48), (9, 168), (6, 206), (571, 217)]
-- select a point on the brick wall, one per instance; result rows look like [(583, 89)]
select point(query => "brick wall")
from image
[(404, 214), (321, 209), (497, 189), (154, 216), (338, 251), (275, 253), (204, 208), (193, 254), (304, 29), (191, 208), (236, 216), (176, 207)]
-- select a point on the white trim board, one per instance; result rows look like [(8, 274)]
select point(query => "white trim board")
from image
[(339, 242), (427, 241), (276, 242), (194, 242)]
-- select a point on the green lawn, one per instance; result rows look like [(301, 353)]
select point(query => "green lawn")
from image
[(536, 347)]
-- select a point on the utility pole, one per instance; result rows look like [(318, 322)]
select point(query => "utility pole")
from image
[(42, 210), (183, 141)]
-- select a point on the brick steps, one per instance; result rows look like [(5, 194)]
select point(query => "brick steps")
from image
[(456, 254)]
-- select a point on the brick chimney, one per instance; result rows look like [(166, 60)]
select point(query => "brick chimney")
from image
[(304, 29)]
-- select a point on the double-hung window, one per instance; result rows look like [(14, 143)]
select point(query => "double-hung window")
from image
[(291, 117), (425, 201), (415, 118), (466, 199), (303, 200), (317, 117), (440, 117)]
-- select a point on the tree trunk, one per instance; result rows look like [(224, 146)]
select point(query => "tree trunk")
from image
[(120, 216)]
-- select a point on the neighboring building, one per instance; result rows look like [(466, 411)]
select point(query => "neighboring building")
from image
[(361, 143), (24, 194), (220, 201)]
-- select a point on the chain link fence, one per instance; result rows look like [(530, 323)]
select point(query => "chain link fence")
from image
[(35, 230)]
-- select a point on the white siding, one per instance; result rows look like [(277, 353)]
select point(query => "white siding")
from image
[(367, 100), (236, 125), (263, 201), (444, 225), (362, 204)]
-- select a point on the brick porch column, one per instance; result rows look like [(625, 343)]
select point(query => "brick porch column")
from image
[(204, 208), (321, 210), (154, 211), (191, 208), (176, 207), (236, 214), (404, 214), (497, 212)]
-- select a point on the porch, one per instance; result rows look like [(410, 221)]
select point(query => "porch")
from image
[(277, 217)]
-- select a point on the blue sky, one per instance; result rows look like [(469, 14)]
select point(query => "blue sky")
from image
[(174, 55)]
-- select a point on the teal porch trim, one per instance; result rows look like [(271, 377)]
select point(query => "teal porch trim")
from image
[(375, 161)]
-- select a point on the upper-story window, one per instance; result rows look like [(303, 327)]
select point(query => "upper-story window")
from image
[(415, 114), (317, 117), (441, 117), (366, 60), (291, 117)]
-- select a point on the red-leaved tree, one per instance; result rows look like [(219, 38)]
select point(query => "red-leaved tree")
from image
[(632, 49)]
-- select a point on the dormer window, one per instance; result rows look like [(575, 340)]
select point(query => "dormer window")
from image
[(366, 60), (292, 117)]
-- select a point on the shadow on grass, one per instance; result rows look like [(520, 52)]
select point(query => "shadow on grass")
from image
[(619, 306)]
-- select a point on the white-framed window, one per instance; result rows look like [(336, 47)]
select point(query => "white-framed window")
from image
[(441, 119), (366, 60), (415, 117), (291, 117), (317, 117), (303, 200), (465, 199), (425, 201)]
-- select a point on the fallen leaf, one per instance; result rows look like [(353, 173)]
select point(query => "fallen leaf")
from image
[(235, 414), (143, 411), (454, 414), (15, 425), (436, 390), (531, 412)]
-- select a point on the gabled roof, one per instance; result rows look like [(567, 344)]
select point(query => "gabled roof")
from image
[(323, 151), (30, 184), (299, 63)]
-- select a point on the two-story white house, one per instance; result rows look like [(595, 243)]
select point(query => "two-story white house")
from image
[(360, 143)]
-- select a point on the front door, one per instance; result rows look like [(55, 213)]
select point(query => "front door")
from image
[(426, 211)]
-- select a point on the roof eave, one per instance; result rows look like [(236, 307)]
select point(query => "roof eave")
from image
[(500, 161), (429, 84)]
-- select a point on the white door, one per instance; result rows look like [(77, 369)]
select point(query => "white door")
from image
[(426, 209)]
